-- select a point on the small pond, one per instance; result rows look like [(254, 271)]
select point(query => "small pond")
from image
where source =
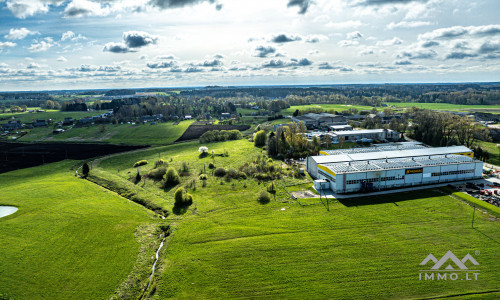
[(7, 210)]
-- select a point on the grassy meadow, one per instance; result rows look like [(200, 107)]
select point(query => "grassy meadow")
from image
[(228, 245), (70, 239), (368, 249), (147, 134)]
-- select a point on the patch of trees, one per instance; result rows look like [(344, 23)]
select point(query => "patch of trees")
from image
[(290, 142), (119, 93), (220, 135), (444, 129), (75, 105)]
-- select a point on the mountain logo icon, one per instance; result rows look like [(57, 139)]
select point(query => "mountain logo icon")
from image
[(444, 260)]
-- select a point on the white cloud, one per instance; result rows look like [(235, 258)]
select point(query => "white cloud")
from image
[(355, 35), (81, 8), (392, 42), (407, 24), (62, 59), (4, 45), (19, 33), (67, 35), (41, 46), (345, 24)]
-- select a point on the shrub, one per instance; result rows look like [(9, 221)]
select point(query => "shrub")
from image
[(157, 173), (179, 196), (242, 175), (85, 170), (220, 172), (263, 197), (203, 151), (271, 188), (140, 163), (260, 138), (185, 167), (203, 177), (171, 177), (138, 177), (161, 162), (211, 165), (232, 173)]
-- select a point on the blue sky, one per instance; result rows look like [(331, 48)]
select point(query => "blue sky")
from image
[(82, 44)]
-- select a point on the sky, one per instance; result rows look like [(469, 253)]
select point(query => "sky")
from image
[(87, 44)]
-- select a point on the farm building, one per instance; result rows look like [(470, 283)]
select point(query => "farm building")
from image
[(340, 127), (348, 171), (312, 120), (368, 135)]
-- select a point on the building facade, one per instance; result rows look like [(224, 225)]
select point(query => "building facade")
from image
[(380, 170)]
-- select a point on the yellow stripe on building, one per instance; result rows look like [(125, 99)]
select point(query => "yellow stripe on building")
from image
[(469, 154), (327, 170), (323, 153)]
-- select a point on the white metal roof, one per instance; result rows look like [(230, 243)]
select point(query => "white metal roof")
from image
[(406, 153), (377, 148)]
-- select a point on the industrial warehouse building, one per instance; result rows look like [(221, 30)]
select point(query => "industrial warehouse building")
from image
[(393, 166)]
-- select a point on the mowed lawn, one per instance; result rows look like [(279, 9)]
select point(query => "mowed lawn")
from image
[(369, 249), (70, 239), (147, 134)]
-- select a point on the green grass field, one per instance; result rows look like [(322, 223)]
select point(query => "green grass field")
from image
[(70, 239), (336, 107), (55, 115), (446, 106), (161, 133), (227, 245)]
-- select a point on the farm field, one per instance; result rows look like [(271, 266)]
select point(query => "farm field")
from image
[(227, 245), (337, 107), (69, 239), (161, 133), (56, 115), (196, 131), (448, 106)]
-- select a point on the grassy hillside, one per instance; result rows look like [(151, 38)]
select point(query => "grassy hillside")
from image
[(56, 115), (162, 133), (227, 245), (337, 107), (366, 249), (447, 106), (70, 239)]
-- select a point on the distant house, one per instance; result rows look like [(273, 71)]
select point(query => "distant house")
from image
[(85, 121), (225, 116), (39, 123), (57, 131), (312, 120), (12, 125), (188, 117), (148, 118), (68, 121)]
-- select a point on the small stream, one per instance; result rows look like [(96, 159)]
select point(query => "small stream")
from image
[(7, 210), (154, 263)]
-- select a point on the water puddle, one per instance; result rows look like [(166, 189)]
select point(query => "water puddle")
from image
[(7, 210)]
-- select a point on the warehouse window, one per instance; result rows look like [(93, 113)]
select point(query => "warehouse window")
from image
[(435, 174), (389, 178)]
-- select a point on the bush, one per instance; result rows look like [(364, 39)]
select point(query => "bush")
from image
[(140, 163), (161, 162), (185, 167), (232, 173), (242, 175), (203, 151), (182, 198), (157, 173), (179, 196), (172, 178), (85, 170), (260, 138), (203, 177), (138, 177), (220, 172), (211, 165), (263, 197)]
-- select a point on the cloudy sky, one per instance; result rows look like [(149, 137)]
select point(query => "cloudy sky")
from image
[(80, 44)]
